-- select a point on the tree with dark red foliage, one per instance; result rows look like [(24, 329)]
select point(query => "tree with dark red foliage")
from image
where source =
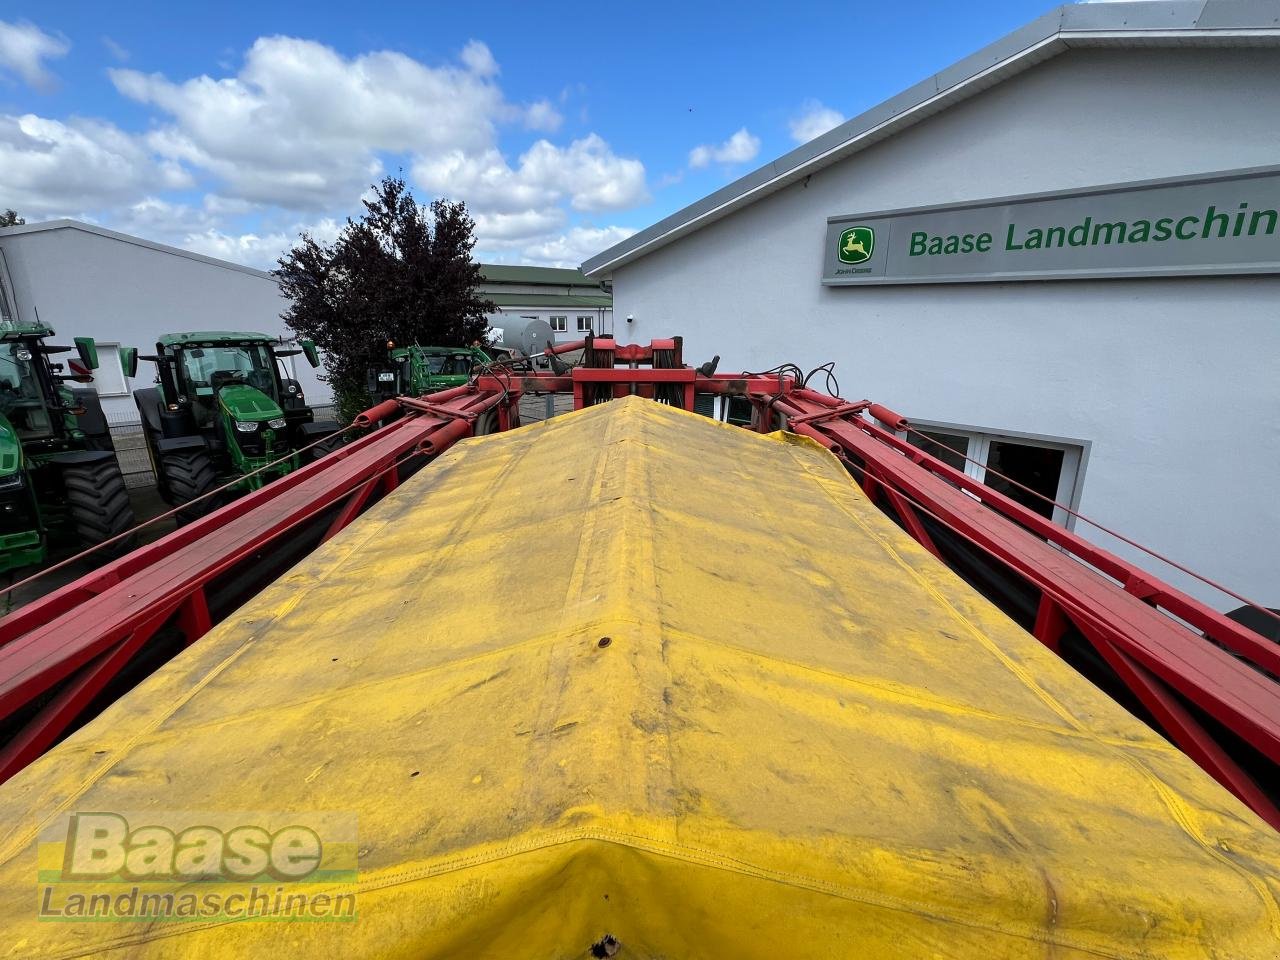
[(402, 272)]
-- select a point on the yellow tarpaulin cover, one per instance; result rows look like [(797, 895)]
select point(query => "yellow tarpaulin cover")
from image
[(803, 737)]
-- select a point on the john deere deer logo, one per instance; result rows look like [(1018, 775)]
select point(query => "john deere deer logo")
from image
[(856, 245)]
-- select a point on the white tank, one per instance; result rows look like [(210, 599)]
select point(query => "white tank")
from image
[(520, 335)]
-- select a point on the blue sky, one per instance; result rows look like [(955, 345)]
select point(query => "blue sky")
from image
[(229, 128)]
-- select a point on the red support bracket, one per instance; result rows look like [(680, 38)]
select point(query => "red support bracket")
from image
[(193, 616), (390, 480), (1051, 623), (911, 520), (351, 509)]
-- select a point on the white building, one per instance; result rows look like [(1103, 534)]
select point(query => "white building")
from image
[(86, 281), (572, 304), (1131, 374)]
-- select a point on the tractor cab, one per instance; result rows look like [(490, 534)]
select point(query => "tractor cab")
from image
[(33, 399), (416, 371), (59, 476), (242, 377), (27, 397), (225, 407)]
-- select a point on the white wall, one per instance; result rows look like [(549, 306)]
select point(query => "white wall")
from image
[(85, 284), (1173, 381)]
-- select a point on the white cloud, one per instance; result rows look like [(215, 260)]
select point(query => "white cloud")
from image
[(543, 116), (813, 120), (485, 181), (202, 228), (479, 59), (301, 126), (571, 248), (115, 49), (587, 174), (23, 49), (250, 249), (527, 224), (740, 148), (51, 168)]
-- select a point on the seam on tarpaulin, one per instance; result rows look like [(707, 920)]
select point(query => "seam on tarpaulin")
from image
[(557, 662), (1167, 796), (644, 506), (1178, 810), (676, 851)]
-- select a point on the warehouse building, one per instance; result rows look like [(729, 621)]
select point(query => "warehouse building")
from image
[(572, 304), (86, 281), (1058, 257)]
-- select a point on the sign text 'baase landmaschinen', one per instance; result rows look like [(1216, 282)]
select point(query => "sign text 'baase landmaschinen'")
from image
[(1188, 226)]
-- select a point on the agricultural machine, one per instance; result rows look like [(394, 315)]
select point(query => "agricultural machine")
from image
[(224, 410), (630, 682), (59, 477), (416, 371)]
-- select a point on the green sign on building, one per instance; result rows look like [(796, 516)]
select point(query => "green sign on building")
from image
[(1223, 223)]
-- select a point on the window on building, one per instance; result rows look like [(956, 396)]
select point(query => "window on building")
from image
[(1027, 470), (950, 448), (109, 379), (584, 324), (734, 410), (559, 324)]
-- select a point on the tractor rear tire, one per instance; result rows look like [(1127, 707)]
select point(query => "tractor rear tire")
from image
[(187, 476), (98, 502)]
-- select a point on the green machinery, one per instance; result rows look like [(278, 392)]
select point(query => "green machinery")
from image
[(414, 371), (224, 406), (59, 476)]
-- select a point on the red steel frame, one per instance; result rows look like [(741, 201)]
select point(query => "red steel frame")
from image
[(60, 651)]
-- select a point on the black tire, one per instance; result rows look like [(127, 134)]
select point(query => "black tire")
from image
[(98, 502), (189, 474)]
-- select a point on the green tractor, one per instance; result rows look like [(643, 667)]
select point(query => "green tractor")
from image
[(59, 476), (414, 371), (224, 407)]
